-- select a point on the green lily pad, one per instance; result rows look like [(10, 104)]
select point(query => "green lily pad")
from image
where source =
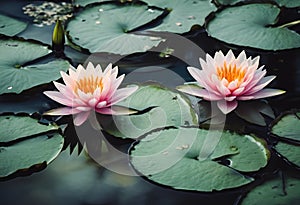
[(169, 108), (10, 26), (275, 192), (286, 3), (289, 151), (107, 28), (170, 157), (25, 143), (251, 25), (22, 127), (17, 74), (183, 14), (287, 126)]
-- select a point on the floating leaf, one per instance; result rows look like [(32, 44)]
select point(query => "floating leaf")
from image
[(10, 26), (287, 126), (25, 143), (183, 14), (251, 25), (289, 151), (286, 3), (169, 108), (170, 157), (17, 74), (275, 192), (107, 28)]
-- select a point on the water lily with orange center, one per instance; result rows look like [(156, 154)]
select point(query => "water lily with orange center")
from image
[(227, 79), (88, 90)]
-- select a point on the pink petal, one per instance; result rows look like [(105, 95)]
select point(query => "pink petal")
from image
[(231, 98), (105, 111), (197, 91), (224, 91), (101, 104), (84, 109), (64, 90), (226, 107), (60, 98), (121, 94), (245, 97), (268, 92), (238, 91), (92, 102), (80, 118), (116, 110), (70, 82), (196, 74), (263, 83), (241, 58), (229, 57), (62, 111)]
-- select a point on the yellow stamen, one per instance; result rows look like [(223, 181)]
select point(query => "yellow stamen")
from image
[(89, 84), (231, 73)]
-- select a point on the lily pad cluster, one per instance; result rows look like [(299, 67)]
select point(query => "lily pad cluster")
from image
[(25, 143), (122, 28), (128, 24), (287, 129)]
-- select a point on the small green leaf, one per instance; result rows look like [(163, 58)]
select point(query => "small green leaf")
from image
[(17, 75), (289, 151), (10, 26), (107, 28), (251, 25), (183, 14), (275, 192), (167, 108), (287, 126), (170, 157), (25, 143)]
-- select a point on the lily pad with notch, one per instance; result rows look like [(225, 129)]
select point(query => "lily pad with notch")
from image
[(183, 14), (251, 25), (18, 74), (25, 143), (10, 26), (162, 108), (170, 157), (108, 28)]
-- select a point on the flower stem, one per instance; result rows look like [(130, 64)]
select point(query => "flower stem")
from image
[(289, 24)]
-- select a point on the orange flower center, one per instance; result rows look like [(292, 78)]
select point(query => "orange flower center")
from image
[(89, 84), (231, 73)]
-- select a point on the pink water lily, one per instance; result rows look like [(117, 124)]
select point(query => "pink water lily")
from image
[(227, 79), (88, 90)]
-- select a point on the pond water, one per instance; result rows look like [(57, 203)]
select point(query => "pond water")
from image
[(72, 179)]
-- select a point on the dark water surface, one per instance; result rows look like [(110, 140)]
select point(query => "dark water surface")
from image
[(78, 180)]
